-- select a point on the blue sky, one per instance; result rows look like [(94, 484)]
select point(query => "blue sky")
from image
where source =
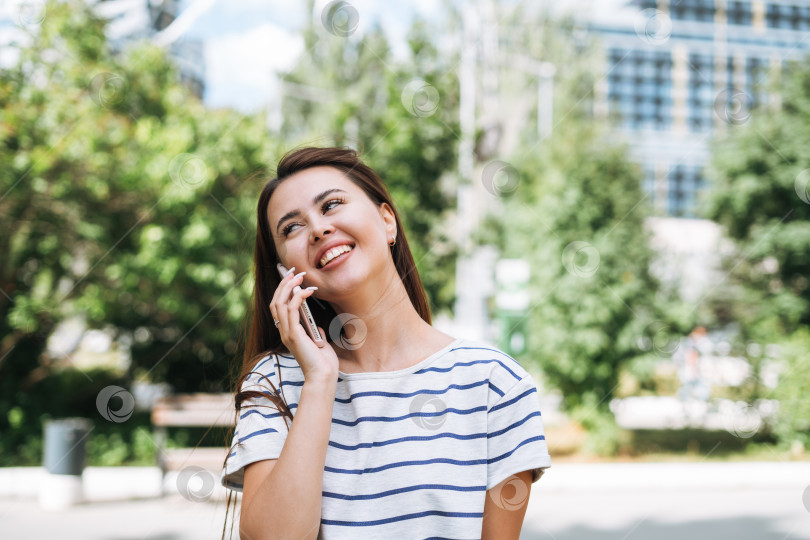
[(248, 41)]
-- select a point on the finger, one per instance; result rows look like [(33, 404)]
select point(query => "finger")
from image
[(298, 297), (289, 314), (293, 311), (277, 294), (282, 296), (289, 284)]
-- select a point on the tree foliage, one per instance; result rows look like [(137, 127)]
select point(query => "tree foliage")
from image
[(123, 200), (759, 185), (576, 211), (759, 191)]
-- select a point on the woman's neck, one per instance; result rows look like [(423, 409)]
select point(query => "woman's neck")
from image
[(383, 331)]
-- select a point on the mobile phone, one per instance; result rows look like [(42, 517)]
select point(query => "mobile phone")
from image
[(306, 314)]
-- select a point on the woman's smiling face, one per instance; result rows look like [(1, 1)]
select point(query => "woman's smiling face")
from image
[(319, 208)]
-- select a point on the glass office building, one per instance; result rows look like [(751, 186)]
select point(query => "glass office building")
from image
[(677, 71)]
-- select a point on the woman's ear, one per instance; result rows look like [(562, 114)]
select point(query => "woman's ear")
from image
[(390, 220)]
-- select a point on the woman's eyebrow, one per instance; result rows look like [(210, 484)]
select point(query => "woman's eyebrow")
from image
[(318, 198)]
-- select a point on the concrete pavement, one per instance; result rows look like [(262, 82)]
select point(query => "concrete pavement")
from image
[(625, 501)]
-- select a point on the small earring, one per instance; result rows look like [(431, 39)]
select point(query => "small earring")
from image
[(392, 242)]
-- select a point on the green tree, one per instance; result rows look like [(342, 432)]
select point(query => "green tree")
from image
[(124, 200), (759, 191), (575, 209)]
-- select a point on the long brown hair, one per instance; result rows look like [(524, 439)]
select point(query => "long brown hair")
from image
[(261, 336)]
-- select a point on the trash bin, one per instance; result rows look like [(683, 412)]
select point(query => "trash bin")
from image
[(64, 458)]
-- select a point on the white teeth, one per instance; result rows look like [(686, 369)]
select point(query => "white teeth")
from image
[(334, 252)]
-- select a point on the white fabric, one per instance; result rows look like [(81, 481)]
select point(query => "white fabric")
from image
[(411, 452)]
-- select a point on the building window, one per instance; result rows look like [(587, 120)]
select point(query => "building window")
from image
[(739, 13), (787, 17), (685, 181), (700, 104), (692, 10), (639, 88)]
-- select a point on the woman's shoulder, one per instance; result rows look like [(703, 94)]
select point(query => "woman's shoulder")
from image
[(500, 365), (274, 366)]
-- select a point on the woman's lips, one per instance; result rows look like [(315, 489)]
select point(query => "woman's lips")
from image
[(338, 260)]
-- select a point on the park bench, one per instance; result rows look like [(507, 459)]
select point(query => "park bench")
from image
[(191, 410)]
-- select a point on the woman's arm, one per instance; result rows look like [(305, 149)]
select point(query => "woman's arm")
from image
[(282, 498), (505, 507)]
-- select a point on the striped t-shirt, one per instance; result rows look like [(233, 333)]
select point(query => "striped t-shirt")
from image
[(411, 452)]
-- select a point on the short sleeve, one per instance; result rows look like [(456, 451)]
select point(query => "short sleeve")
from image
[(261, 429), (516, 439)]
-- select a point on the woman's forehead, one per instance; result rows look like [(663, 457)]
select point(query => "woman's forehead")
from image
[(297, 190)]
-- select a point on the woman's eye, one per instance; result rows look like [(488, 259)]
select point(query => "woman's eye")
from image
[(328, 205)]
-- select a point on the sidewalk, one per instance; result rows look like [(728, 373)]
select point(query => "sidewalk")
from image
[(103, 484), (572, 501)]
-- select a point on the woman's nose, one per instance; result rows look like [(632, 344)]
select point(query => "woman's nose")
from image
[(321, 229)]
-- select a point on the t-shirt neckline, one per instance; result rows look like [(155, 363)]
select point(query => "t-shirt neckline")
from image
[(400, 372)]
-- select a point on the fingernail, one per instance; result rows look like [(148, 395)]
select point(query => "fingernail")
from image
[(290, 271), (312, 288), (300, 273)]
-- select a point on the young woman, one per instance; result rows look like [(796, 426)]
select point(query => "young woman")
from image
[(396, 430)]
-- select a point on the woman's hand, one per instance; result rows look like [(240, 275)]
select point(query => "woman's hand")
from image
[(317, 359)]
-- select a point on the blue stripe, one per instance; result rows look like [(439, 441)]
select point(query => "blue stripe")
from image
[(443, 538), (514, 399), (516, 424), (260, 432), (254, 411), (260, 378), (458, 364), (409, 394), (497, 390), (402, 518), (492, 350), (402, 490), (396, 418), (405, 464), (263, 362), (406, 439), (506, 455)]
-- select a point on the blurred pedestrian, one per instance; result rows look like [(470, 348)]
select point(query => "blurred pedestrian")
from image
[(693, 383)]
